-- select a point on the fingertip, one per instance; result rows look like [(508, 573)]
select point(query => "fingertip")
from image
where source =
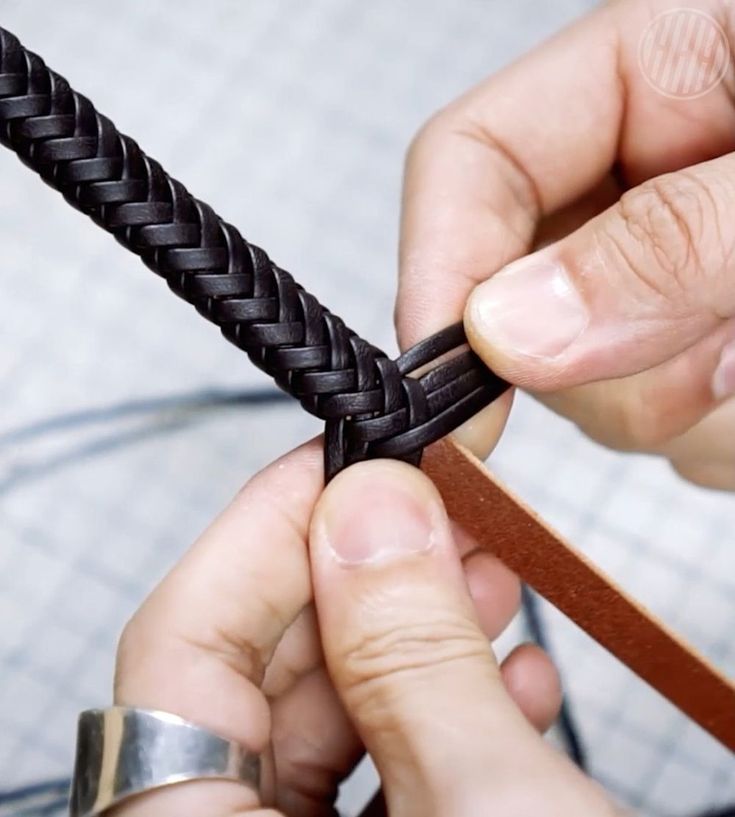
[(495, 591), (375, 512), (291, 484), (525, 321), (369, 472), (534, 684), (706, 473), (369, 490), (481, 335)]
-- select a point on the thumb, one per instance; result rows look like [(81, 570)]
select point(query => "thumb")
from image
[(407, 656), (631, 289)]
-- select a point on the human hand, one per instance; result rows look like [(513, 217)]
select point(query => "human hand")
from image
[(398, 660), (623, 319)]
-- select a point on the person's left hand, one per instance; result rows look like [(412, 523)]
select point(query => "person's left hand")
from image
[(229, 640), (623, 194)]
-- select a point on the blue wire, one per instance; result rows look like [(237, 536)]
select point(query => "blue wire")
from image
[(566, 721), (52, 807), (197, 401), (21, 798), (34, 790), (194, 403)]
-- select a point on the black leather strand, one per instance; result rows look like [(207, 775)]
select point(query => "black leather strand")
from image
[(372, 405)]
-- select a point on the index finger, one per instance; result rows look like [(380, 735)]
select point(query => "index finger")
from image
[(483, 171), (199, 645)]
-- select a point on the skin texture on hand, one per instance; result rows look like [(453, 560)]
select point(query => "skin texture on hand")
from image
[(390, 652), (623, 319)]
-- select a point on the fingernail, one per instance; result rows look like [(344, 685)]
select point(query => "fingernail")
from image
[(380, 513), (723, 380), (530, 309)]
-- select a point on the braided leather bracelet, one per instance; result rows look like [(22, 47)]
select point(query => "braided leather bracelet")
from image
[(372, 405)]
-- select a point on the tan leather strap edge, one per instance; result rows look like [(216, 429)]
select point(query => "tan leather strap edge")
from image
[(504, 525)]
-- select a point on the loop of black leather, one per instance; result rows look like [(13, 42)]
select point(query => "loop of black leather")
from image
[(372, 405)]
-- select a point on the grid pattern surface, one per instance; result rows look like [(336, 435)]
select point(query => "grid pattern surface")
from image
[(91, 515)]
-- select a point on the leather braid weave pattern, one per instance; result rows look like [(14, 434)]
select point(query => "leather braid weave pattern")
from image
[(372, 405)]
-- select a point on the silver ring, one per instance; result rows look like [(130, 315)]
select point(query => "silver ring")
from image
[(122, 751)]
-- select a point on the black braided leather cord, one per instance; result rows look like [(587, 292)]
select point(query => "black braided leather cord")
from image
[(372, 405)]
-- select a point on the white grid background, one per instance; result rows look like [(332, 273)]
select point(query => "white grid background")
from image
[(291, 119)]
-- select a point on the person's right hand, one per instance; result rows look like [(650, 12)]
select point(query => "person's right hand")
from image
[(624, 320), (396, 659), (412, 667)]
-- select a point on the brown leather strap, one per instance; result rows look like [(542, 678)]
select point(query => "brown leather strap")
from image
[(503, 524)]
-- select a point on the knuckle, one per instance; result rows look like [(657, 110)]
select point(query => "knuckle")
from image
[(706, 474), (381, 663), (663, 237), (314, 782), (151, 632), (127, 643), (241, 653), (620, 419), (129, 649), (423, 139), (642, 415)]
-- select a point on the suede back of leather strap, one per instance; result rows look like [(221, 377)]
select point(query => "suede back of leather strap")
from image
[(502, 524)]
